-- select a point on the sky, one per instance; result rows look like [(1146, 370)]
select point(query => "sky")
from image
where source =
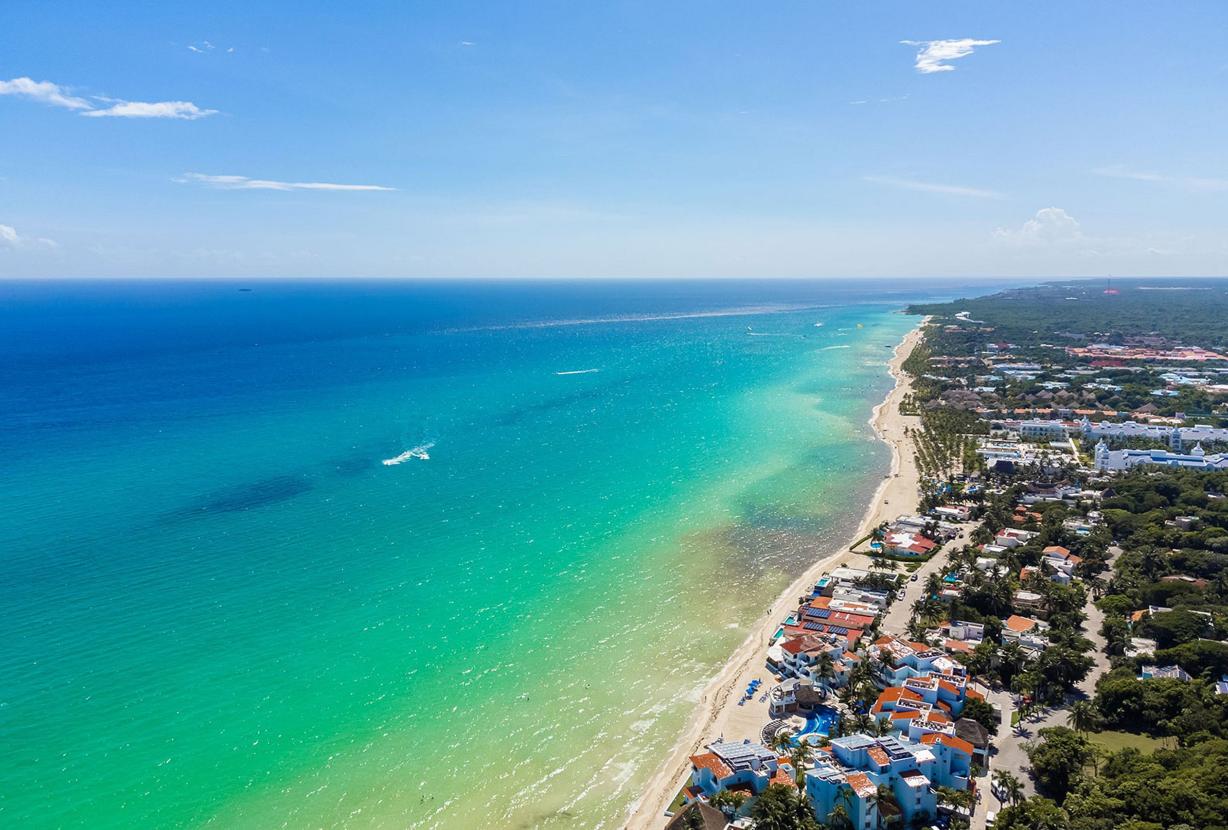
[(625, 139)]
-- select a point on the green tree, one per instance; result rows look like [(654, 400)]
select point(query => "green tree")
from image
[(1008, 786), (1057, 760), (729, 801), (781, 807), (1083, 716), (982, 712)]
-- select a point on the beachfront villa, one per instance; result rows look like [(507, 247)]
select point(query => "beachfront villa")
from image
[(908, 545), (857, 765), (1196, 459), (740, 766)]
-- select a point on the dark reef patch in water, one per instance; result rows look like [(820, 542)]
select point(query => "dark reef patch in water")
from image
[(250, 496), (354, 465)]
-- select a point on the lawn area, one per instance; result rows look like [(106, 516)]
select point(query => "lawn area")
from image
[(1115, 741), (676, 804)]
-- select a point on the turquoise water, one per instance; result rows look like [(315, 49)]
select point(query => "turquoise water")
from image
[(222, 609)]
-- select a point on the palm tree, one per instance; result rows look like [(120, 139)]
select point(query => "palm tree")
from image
[(728, 801), (801, 755), (839, 817), (782, 741), (1008, 785), (1083, 716), (883, 796), (840, 726), (879, 532), (824, 670)]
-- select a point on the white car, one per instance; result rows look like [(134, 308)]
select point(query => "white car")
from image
[(990, 818)]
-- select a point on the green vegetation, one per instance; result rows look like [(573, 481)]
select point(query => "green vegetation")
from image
[(1087, 790), (781, 807)]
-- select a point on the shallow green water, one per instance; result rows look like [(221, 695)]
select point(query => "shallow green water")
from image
[(224, 610)]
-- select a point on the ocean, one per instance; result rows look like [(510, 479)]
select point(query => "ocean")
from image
[(404, 554)]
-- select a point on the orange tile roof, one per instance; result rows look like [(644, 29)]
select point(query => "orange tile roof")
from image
[(949, 740), (1057, 550), (957, 645), (711, 761), (974, 694), (861, 784), (782, 777), (1020, 624), (879, 756)]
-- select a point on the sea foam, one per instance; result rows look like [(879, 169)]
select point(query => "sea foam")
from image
[(419, 452)]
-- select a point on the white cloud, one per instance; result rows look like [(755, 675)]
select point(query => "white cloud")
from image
[(468, 43), (182, 110), (932, 56), (9, 238), (1119, 171), (1050, 226), (244, 183), (934, 187), (45, 92), (101, 107)]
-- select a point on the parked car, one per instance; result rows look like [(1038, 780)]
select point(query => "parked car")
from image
[(912, 578)]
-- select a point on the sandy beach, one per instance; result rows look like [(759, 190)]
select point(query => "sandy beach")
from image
[(717, 713)]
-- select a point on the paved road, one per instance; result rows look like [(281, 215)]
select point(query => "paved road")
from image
[(896, 619), (1010, 755)]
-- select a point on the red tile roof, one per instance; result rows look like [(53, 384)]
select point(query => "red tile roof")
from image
[(949, 740), (711, 761)]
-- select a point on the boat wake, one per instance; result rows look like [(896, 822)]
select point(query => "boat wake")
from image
[(578, 372), (829, 348), (419, 452)]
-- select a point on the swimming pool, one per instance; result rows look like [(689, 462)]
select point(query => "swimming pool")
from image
[(820, 723)]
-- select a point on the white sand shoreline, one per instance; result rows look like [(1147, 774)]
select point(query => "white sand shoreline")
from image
[(717, 713)]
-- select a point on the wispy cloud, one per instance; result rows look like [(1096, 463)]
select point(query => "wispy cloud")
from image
[(44, 92), (182, 110), (10, 239), (98, 106), (245, 183), (934, 187), (205, 47), (1120, 171), (932, 55), (468, 43)]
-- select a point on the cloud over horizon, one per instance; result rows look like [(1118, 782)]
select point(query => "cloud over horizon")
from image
[(245, 183), (1050, 226), (932, 56), (10, 239)]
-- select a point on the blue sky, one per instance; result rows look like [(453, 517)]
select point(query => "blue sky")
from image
[(613, 139)]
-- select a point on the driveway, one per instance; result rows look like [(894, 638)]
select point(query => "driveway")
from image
[(896, 619)]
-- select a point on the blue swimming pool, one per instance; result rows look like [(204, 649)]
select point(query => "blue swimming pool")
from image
[(820, 723)]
